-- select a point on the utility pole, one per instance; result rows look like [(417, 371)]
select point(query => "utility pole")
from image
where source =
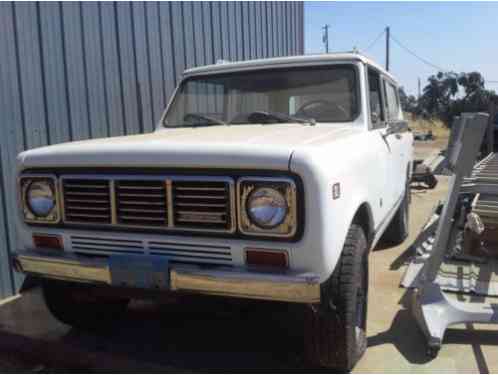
[(388, 37), (325, 37), (419, 90)]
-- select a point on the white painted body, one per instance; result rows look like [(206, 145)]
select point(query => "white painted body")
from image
[(371, 167)]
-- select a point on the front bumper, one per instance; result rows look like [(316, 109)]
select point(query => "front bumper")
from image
[(222, 281)]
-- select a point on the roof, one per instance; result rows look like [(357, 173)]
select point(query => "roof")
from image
[(227, 66)]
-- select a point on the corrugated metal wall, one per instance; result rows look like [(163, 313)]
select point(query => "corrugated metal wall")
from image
[(71, 71)]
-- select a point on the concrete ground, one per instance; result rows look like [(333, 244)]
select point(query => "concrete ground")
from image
[(394, 342), (241, 337)]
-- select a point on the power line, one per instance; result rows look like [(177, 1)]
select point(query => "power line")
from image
[(427, 62), (377, 38), (417, 56), (411, 52)]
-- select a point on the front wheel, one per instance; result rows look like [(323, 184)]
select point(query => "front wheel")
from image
[(335, 332)]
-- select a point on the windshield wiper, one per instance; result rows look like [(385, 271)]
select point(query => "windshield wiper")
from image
[(209, 121), (283, 117)]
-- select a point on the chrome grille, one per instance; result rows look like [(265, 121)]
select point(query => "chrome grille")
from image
[(141, 203), (183, 203), (184, 252), (203, 204), (86, 244), (87, 201)]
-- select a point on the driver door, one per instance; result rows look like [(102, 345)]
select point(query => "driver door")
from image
[(383, 154), (397, 141)]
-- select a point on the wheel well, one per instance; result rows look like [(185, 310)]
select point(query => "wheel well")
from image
[(363, 217)]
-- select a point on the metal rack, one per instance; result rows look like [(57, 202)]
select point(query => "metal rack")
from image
[(433, 310)]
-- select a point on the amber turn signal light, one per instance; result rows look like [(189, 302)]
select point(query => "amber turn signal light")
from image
[(48, 241), (265, 257)]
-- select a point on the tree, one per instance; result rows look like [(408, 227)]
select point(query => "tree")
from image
[(471, 82), (408, 103), (437, 95), (449, 94), (476, 98)]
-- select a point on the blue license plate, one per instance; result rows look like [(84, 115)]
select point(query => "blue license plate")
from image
[(139, 271)]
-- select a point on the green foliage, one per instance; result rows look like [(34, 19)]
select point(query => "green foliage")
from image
[(449, 94), (408, 103)]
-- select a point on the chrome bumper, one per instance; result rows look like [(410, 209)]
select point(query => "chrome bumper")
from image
[(288, 287)]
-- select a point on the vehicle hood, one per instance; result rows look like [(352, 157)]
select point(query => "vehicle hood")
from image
[(234, 147)]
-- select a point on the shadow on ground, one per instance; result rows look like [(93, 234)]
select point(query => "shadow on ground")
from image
[(215, 336), (201, 337), (405, 336)]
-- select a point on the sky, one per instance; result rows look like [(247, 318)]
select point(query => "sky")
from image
[(461, 36)]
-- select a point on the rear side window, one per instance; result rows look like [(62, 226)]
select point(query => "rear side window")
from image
[(392, 101)]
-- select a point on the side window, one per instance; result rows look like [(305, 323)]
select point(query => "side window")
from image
[(392, 101), (376, 106)]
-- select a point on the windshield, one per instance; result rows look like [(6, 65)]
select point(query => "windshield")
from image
[(306, 94)]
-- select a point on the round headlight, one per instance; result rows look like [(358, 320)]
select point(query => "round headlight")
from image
[(40, 198), (266, 207)]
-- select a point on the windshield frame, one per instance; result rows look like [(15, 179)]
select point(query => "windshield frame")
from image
[(353, 64)]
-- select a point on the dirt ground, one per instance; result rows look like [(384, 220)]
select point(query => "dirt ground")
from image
[(243, 337), (394, 342), (440, 132)]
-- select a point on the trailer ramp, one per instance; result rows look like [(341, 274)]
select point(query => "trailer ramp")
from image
[(440, 263)]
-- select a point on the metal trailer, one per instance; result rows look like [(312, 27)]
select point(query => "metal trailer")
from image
[(433, 310), (489, 143)]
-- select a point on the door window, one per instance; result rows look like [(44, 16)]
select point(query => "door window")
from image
[(376, 108), (392, 101)]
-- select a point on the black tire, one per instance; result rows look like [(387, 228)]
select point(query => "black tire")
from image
[(75, 305), (335, 332), (398, 229), (433, 351), (431, 181)]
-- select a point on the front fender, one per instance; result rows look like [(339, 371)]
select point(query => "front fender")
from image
[(328, 218)]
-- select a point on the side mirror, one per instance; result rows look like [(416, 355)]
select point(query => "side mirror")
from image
[(396, 127)]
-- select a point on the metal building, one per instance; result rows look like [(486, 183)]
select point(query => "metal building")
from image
[(71, 71)]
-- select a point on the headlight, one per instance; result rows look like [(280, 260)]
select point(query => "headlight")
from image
[(39, 199), (267, 206)]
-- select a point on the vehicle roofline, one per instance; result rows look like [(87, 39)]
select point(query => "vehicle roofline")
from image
[(287, 61)]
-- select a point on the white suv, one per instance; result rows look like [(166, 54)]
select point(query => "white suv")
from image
[(267, 179)]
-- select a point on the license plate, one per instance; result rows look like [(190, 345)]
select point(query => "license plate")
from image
[(139, 271)]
